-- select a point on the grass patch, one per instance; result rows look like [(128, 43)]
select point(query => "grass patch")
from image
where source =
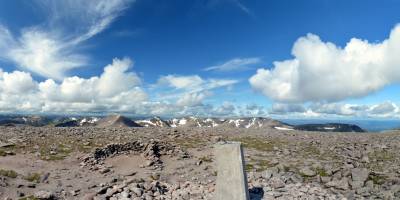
[(382, 155), (376, 179), (86, 147), (264, 164), (311, 150), (249, 167), (62, 152), (53, 157), (258, 143), (2, 152), (379, 157), (321, 172), (33, 177), (306, 178), (261, 165), (258, 164), (63, 147), (215, 173), (28, 198), (155, 177), (8, 173), (286, 168), (206, 159)]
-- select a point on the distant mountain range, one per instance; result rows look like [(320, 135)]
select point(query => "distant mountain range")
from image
[(330, 127), (253, 122), (25, 120), (122, 121)]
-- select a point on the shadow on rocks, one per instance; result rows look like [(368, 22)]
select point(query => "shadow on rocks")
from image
[(256, 193)]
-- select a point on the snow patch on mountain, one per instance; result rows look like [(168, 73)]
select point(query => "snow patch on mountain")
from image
[(283, 128)]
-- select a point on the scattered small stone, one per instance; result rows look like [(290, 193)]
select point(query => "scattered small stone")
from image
[(276, 183), (104, 170), (44, 178), (89, 196), (130, 173), (43, 195)]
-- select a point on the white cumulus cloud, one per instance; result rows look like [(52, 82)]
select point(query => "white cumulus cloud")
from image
[(323, 71), (16, 83), (193, 99), (385, 109), (181, 82), (116, 89)]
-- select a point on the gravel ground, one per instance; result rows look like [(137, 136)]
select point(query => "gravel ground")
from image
[(178, 163)]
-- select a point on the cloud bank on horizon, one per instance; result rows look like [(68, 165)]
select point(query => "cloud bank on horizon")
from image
[(314, 83)]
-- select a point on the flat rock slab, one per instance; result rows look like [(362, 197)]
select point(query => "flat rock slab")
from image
[(231, 177)]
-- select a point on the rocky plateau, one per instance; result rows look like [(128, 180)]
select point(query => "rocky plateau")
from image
[(117, 158)]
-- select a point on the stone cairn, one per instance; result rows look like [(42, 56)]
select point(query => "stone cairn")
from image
[(151, 151)]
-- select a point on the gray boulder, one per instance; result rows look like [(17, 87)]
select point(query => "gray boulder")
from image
[(359, 174), (343, 184), (306, 171)]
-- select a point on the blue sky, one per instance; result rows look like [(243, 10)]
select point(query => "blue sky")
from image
[(201, 57)]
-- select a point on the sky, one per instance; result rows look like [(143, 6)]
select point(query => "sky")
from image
[(214, 58)]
